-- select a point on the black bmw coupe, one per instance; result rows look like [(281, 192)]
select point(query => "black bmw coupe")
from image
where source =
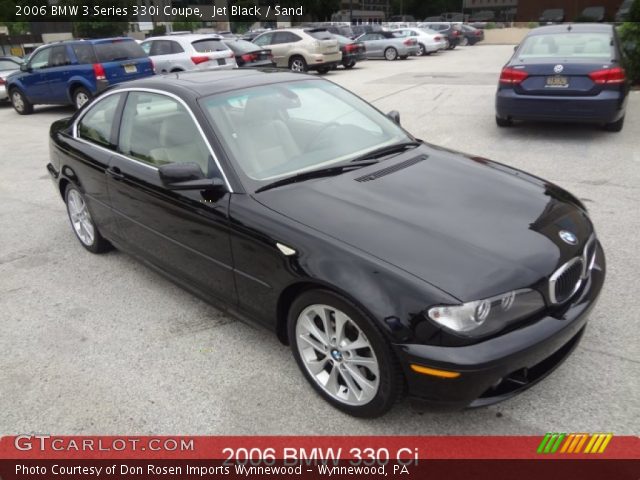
[(388, 264)]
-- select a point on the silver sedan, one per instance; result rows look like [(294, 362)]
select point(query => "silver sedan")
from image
[(387, 45)]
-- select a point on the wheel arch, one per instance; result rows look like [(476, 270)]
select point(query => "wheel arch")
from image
[(74, 84), (293, 291), (62, 186)]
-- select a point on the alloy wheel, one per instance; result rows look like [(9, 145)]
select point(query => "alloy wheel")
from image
[(18, 102), (80, 218), (297, 65), (337, 355), (390, 53), (81, 99)]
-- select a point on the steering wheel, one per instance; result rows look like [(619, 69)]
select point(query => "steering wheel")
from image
[(320, 133)]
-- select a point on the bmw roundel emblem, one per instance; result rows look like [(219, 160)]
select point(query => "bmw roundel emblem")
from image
[(558, 68), (568, 237)]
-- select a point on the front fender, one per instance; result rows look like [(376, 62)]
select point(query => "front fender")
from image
[(266, 278)]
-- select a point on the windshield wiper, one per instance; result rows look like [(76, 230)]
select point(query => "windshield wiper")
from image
[(388, 150), (321, 172)]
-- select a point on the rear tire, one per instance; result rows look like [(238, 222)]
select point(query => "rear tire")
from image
[(80, 96), (349, 64), (390, 54), (421, 50), (615, 126), (365, 381), (503, 122), (20, 102), (82, 223), (298, 64)]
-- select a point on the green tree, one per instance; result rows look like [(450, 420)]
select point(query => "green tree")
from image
[(17, 28), (99, 29), (186, 24), (630, 36)]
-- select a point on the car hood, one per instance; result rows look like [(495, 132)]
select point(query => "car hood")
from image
[(471, 227)]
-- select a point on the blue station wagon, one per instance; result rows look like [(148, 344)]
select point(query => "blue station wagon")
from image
[(73, 72)]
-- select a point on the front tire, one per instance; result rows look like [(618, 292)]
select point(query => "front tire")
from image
[(82, 223), (390, 54), (421, 50), (20, 102), (343, 354), (80, 96)]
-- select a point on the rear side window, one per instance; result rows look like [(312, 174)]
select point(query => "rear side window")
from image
[(321, 35), (118, 50), (59, 56), (284, 37), (96, 125), (209, 45), (84, 53), (161, 47), (568, 45)]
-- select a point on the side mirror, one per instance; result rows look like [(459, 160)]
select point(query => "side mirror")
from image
[(515, 49), (395, 116), (187, 176), (25, 68)]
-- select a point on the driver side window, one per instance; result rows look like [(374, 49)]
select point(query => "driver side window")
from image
[(40, 59), (158, 130), (263, 39)]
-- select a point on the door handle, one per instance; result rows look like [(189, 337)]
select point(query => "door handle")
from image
[(115, 173)]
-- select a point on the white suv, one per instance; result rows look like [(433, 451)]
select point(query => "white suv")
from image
[(177, 53)]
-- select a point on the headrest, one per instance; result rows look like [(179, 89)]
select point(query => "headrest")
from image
[(177, 129)]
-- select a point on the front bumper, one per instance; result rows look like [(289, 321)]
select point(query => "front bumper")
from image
[(3, 93), (606, 107), (499, 368)]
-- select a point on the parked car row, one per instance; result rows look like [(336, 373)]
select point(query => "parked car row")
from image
[(73, 72)]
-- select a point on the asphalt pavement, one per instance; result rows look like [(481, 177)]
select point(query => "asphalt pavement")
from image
[(100, 344)]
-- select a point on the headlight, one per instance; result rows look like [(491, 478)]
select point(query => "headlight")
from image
[(481, 317)]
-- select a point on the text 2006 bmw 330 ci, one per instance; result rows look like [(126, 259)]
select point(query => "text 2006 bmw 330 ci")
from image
[(388, 264)]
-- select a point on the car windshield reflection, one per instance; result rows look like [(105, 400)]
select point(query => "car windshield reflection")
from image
[(274, 131)]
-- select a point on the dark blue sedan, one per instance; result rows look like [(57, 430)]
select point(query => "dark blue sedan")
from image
[(566, 73)]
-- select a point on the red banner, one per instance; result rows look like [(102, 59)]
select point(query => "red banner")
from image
[(566, 456)]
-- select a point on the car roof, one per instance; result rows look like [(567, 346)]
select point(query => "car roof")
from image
[(573, 27), (92, 41), (202, 83), (187, 37)]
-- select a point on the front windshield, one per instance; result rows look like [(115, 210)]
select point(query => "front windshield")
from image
[(275, 131)]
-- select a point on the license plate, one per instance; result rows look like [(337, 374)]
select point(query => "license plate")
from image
[(130, 69), (557, 81), (221, 61)]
